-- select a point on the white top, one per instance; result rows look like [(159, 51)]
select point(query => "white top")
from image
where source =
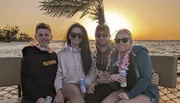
[(70, 69)]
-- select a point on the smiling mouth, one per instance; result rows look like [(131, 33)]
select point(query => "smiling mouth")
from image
[(44, 41)]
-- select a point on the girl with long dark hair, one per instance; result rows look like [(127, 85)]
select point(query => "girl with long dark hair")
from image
[(75, 63)]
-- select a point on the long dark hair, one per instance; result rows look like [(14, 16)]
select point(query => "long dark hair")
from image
[(84, 45)]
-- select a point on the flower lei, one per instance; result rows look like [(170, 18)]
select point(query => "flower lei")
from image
[(105, 73), (51, 50), (123, 61)]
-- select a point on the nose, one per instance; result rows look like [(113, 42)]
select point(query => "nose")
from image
[(77, 37), (101, 37)]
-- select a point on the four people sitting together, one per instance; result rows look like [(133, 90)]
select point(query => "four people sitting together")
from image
[(118, 72)]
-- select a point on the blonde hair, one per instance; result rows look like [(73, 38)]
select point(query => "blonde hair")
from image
[(124, 31)]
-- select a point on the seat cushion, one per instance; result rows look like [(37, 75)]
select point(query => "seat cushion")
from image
[(14, 100)]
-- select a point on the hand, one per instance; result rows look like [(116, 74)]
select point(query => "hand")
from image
[(155, 78), (41, 100), (90, 88), (123, 96), (59, 97), (100, 73), (117, 78), (106, 74)]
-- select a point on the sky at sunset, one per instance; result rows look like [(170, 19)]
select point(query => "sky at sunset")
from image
[(147, 19)]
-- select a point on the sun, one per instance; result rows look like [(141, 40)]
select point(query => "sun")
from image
[(113, 20)]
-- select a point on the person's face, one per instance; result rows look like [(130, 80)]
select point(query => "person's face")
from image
[(123, 42), (43, 37), (76, 36), (102, 38)]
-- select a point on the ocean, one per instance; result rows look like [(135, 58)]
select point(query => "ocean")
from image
[(166, 47), (155, 47)]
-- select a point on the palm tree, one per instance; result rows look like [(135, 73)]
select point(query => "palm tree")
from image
[(68, 8)]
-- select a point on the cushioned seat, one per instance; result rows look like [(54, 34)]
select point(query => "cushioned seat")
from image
[(166, 67), (14, 100)]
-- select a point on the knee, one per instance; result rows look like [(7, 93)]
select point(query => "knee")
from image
[(120, 101), (124, 101), (71, 89), (76, 96), (75, 91), (108, 100)]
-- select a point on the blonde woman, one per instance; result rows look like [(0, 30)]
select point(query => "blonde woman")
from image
[(135, 60)]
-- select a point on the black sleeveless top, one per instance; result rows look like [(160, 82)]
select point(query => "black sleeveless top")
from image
[(131, 77)]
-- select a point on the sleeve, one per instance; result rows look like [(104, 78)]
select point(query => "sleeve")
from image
[(28, 87), (59, 74), (92, 75), (144, 67)]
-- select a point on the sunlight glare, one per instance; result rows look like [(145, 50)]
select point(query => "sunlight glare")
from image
[(113, 20)]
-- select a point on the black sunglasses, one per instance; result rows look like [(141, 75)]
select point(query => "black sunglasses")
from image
[(74, 35), (124, 40), (101, 35)]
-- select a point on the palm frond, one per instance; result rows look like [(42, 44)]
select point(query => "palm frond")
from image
[(97, 12), (65, 8)]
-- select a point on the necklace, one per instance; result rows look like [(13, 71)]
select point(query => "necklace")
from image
[(123, 61), (74, 50), (106, 72)]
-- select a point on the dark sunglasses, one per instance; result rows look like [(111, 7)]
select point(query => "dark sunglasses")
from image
[(124, 40), (101, 35), (74, 35)]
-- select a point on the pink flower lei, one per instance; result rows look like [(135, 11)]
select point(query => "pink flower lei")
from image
[(123, 61)]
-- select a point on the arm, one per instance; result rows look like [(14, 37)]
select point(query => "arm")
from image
[(102, 80), (93, 72), (92, 75), (59, 98), (144, 67), (59, 75), (155, 78), (28, 88)]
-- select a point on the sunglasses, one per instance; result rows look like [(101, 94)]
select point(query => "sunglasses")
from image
[(74, 35), (124, 40), (101, 35)]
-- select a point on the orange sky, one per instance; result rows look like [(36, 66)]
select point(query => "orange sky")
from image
[(148, 19)]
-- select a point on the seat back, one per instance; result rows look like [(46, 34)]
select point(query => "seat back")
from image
[(166, 67), (10, 68)]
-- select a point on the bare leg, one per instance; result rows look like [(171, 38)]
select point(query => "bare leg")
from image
[(113, 97), (138, 99), (72, 93)]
